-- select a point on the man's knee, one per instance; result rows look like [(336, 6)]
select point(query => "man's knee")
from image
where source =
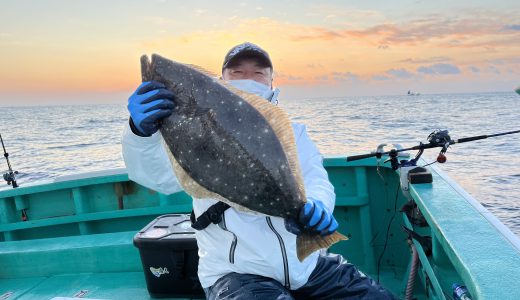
[(335, 278), (247, 286)]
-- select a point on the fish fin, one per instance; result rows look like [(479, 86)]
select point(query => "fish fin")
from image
[(145, 68), (279, 120), (202, 70), (308, 243)]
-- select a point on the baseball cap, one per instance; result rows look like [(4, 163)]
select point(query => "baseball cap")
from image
[(248, 50)]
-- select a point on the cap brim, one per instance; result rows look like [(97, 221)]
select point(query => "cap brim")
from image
[(262, 59)]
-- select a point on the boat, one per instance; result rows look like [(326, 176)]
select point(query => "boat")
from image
[(517, 90), (410, 93), (72, 236)]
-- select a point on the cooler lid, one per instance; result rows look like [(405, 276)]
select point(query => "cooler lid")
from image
[(167, 228)]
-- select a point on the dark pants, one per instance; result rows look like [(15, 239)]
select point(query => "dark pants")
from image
[(333, 278)]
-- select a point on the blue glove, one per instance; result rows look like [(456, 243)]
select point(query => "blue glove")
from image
[(150, 102), (316, 216)]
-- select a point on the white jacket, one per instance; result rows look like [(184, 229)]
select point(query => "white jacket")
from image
[(244, 243)]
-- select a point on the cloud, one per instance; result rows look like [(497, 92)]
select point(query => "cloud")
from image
[(199, 12), (433, 59), (515, 27), (294, 78), (314, 66), (286, 77), (493, 69), (380, 77), (344, 16), (400, 73), (324, 77), (331, 16), (344, 76), (463, 31), (426, 70), (319, 33), (474, 69), (439, 69), (499, 62)]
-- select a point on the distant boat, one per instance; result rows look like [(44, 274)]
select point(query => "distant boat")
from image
[(518, 90), (410, 93)]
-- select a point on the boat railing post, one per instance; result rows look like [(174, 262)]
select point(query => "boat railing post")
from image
[(81, 208)]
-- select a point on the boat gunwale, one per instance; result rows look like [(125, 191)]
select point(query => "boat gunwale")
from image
[(112, 175), (505, 231)]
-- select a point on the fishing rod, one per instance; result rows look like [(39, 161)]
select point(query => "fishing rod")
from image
[(436, 139), (10, 175)]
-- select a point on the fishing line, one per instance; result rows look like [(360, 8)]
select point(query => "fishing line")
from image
[(433, 162), (378, 169)]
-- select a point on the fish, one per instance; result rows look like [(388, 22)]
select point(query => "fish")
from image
[(232, 146)]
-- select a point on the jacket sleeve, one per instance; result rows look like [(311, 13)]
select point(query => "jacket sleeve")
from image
[(315, 177), (147, 162)]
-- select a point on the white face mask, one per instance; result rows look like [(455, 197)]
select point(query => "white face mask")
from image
[(257, 88)]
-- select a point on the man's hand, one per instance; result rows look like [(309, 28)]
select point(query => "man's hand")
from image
[(150, 102), (316, 216)]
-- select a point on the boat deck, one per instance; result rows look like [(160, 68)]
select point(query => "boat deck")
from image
[(122, 285), (77, 238)]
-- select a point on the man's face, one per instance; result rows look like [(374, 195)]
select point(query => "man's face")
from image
[(249, 69)]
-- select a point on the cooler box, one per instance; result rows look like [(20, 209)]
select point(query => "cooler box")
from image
[(169, 256)]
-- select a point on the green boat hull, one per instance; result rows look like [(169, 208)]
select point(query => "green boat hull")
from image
[(76, 240)]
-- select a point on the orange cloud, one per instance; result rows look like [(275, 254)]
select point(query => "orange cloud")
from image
[(303, 55), (438, 30)]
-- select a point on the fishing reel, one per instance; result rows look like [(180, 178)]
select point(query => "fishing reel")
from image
[(440, 138), (10, 178), (409, 172)]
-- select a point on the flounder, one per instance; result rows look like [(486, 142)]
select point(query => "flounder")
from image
[(232, 146)]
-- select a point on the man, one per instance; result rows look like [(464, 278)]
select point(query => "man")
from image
[(246, 256)]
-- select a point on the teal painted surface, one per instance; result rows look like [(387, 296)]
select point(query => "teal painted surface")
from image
[(17, 287), (487, 263), (97, 253), (89, 205), (127, 285), (78, 236)]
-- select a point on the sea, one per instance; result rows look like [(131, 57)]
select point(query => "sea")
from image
[(45, 142)]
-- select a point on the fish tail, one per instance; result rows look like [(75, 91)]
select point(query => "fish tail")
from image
[(307, 243)]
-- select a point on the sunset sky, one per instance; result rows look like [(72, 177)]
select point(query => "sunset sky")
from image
[(88, 51)]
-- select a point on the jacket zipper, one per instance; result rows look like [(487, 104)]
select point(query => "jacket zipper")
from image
[(284, 253), (233, 244)]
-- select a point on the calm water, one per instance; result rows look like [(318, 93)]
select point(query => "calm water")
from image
[(49, 141)]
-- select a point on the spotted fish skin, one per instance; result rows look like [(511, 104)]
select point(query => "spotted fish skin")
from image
[(232, 146), (224, 144)]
